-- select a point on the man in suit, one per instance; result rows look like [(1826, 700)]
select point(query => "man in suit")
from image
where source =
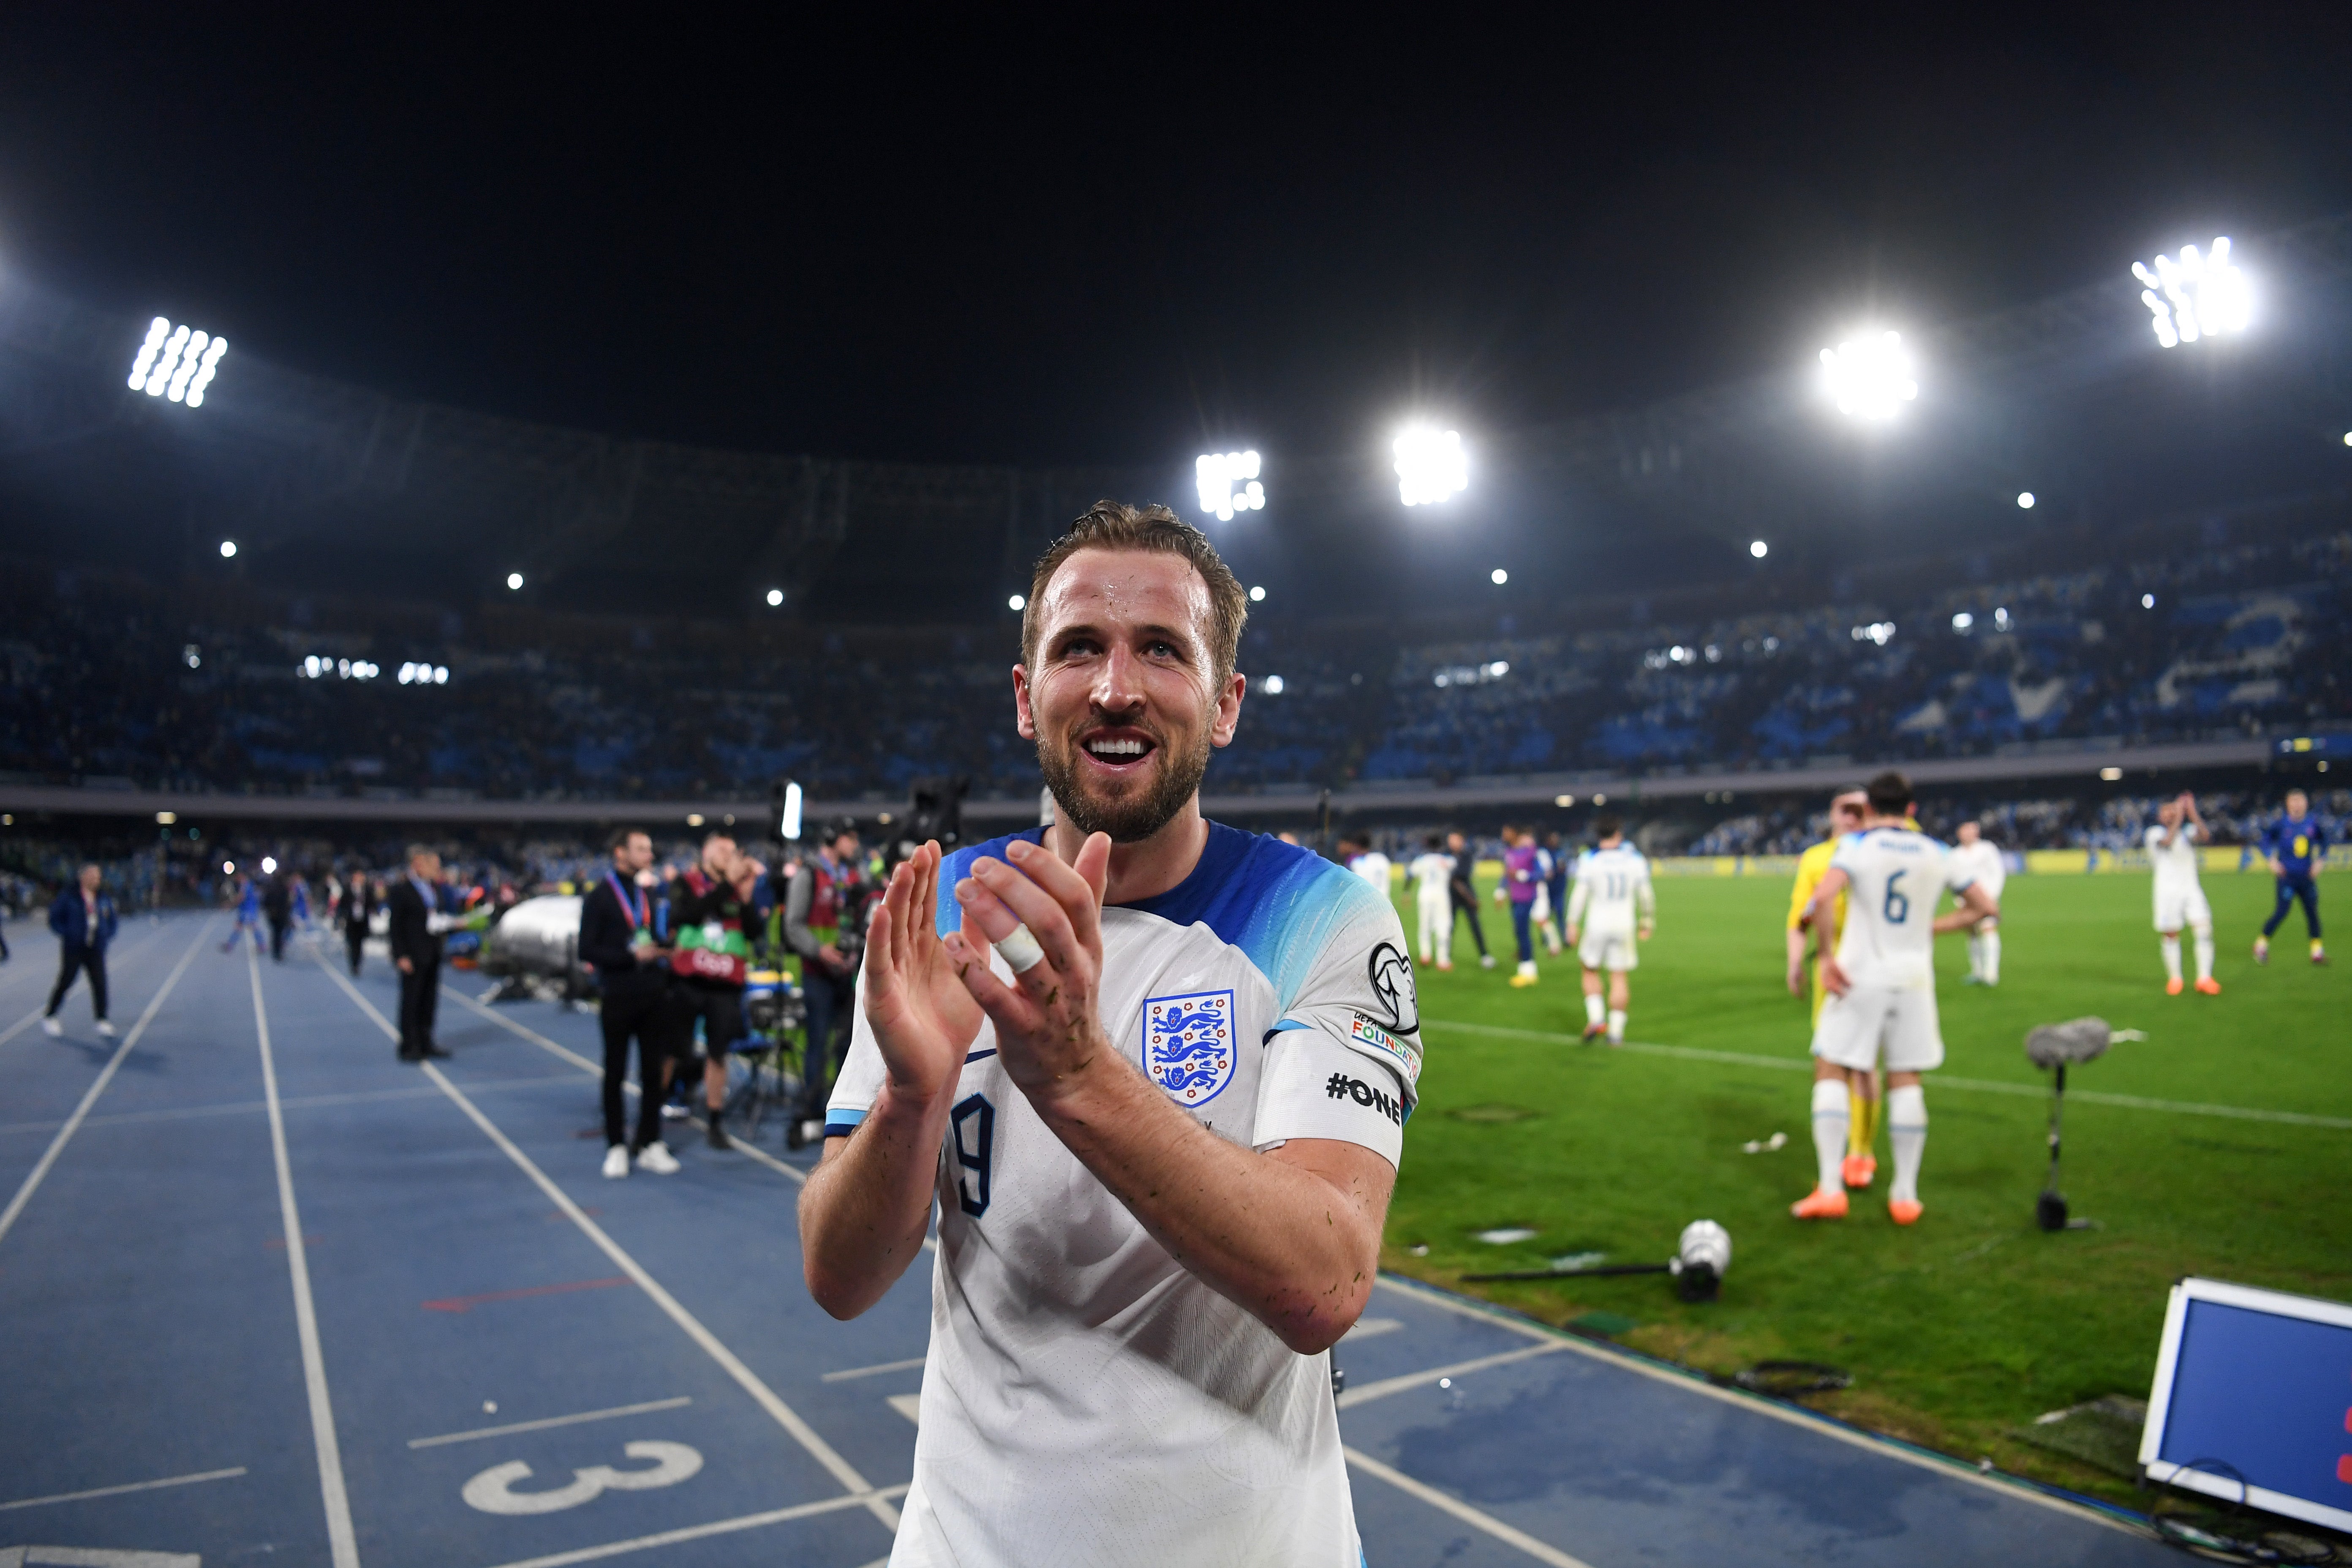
[(278, 903), (416, 942), (84, 919), (352, 913)]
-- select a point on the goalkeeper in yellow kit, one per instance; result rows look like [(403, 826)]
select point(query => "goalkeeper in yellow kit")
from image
[(1845, 816)]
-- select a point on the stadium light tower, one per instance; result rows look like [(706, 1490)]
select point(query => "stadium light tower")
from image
[(1758, 549), (1229, 483), (1430, 465), (175, 362), (2025, 501), (2197, 296), (514, 581), (1870, 377), (228, 549)]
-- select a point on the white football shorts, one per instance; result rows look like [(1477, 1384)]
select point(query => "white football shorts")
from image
[(1856, 1026), (1611, 950), (2178, 907)]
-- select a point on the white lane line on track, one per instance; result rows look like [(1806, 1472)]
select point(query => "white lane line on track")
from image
[(138, 945), (106, 1075), (132, 1487), (544, 1425), (906, 1365), (343, 1541), (1795, 1416), (290, 1101), (753, 1151), (784, 1415), (1941, 1080), (1389, 1386), (723, 1527), (1542, 1551)]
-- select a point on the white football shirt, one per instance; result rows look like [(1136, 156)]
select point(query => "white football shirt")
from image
[(2176, 868), (1086, 1400), (1982, 862), (1611, 886), (1429, 872), (1896, 876), (1373, 868)]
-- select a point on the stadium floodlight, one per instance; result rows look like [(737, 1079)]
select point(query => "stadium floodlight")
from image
[(1257, 594), (1758, 549), (514, 580), (2111, 774), (2025, 501), (1430, 465), (2148, 601), (1271, 686), (228, 549), (2197, 296), (228, 867), (775, 597), (269, 865), (1229, 483), (177, 362), (1962, 621), (1870, 377), (2348, 438), (1498, 576), (1016, 602)]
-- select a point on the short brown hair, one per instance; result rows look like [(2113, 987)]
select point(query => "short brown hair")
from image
[(1890, 794), (1115, 525)]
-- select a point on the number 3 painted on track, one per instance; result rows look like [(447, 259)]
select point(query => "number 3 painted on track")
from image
[(493, 1492)]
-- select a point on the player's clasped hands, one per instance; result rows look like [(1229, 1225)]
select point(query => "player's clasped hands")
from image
[(923, 1015), (1047, 1029)]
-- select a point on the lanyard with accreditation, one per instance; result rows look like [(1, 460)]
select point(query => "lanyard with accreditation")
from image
[(639, 913)]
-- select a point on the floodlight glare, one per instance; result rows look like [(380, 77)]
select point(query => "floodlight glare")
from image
[(2025, 501), (269, 865), (1016, 602), (514, 580), (1229, 483), (1760, 550), (2197, 296), (1498, 576), (2348, 438), (775, 597), (1258, 595), (1430, 466), (177, 362), (1870, 377), (228, 548)]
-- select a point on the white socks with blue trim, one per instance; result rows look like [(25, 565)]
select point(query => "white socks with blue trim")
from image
[(1906, 1128)]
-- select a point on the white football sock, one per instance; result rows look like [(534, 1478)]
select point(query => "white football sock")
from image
[(1528, 967), (1976, 956), (2171, 946), (1592, 1007), (1992, 957), (1906, 1128), (1616, 1027), (2204, 952), (1832, 1117)]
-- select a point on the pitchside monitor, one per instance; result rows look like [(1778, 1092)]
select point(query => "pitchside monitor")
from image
[(2253, 1399)]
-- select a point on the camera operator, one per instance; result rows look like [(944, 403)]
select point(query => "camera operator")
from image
[(712, 914), (618, 942), (822, 924)]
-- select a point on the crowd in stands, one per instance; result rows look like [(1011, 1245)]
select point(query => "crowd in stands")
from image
[(109, 683)]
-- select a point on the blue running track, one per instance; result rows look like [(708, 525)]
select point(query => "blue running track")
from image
[(272, 1296)]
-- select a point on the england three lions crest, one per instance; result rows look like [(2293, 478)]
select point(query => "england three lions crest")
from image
[(1188, 1045)]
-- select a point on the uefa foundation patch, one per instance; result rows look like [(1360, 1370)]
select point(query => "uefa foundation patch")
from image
[(1188, 1045), (1377, 1043)]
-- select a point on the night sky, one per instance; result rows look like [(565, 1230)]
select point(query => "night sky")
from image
[(1037, 244)]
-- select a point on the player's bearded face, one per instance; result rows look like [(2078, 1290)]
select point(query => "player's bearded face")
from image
[(1124, 699)]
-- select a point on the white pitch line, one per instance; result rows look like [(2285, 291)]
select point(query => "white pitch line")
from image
[(132, 1487), (1542, 1551), (1411, 1379), (343, 1541), (784, 1415), (1941, 1080), (106, 1075), (874, 1371), (1693, 1382), (136, 944), (540, 1425), (723, 1527)]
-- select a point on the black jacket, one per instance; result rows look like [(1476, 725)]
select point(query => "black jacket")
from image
[(411, 937), (354, 913), (606, 929), (277, 901)]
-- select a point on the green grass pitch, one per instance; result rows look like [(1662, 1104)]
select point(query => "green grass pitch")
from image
[(1968, 1325)]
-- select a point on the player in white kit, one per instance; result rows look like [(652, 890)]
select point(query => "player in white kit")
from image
[(1431, 871), (1610, 909), (1881, 986), (1977, 855), (1156, 1072), (2179, 896), (1358, 856)]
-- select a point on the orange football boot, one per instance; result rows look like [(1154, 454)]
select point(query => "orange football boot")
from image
[(1820, 1204), (2208, 986), (1904, 1211), (2172, 987), (1859, 1170)]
